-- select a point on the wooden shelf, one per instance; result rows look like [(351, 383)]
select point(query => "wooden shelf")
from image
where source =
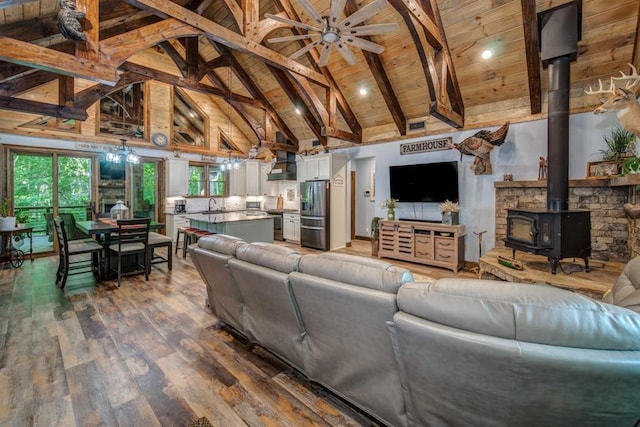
[(425, 243)]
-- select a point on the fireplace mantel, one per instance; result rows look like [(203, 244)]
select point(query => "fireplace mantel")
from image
[(618, 181)]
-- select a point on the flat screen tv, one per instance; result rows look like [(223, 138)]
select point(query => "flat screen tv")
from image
[(110, 170), (427, 182)]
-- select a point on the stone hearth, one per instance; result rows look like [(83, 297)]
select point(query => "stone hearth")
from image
[(613, 235)]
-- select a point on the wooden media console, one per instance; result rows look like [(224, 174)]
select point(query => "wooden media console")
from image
[(427, 243)]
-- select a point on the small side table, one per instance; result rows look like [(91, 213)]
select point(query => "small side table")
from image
[(7, 234)]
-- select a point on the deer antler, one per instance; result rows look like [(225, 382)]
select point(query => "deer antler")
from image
[(612, 88), (632, 79)]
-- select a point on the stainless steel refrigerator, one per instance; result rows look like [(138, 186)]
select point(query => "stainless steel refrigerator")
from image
[(314, 214)]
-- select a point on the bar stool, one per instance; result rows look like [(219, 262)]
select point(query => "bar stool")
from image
[(183, 231), (192, 236)]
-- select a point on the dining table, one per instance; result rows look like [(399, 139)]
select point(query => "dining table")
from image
[(102, 229)]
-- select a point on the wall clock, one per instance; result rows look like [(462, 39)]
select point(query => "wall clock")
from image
[(159, 139)]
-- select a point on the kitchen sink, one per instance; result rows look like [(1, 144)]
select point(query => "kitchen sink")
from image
[(218, 211)]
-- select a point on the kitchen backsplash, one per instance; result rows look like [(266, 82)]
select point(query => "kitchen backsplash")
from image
[(289, 192)]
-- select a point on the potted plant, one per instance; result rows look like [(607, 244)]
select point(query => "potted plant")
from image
[(620, 144), (22, 217), (450, 212), (630, 165), (375, 235), (391, 205), (6, 221)]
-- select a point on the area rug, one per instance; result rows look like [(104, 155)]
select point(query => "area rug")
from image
[(201, 422)]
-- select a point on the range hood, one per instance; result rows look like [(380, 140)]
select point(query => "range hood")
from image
[(285, 167)]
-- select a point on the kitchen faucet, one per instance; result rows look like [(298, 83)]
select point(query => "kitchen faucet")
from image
[(214, 202)]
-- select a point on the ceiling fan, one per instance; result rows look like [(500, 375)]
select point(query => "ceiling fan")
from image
[(332, 32)]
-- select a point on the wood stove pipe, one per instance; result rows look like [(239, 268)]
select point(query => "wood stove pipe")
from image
[(558, 135)]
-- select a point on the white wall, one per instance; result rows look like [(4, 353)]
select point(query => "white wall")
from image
[(365, 206), (525, 143)]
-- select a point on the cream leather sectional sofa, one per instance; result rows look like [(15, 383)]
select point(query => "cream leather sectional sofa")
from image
[(451, 352)]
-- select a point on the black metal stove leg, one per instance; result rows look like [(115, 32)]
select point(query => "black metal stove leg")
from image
[(554, 264), (586, 264)]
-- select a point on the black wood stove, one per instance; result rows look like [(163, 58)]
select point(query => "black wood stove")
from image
[(555, 232)]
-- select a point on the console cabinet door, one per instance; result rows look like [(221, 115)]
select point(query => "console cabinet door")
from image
[(238, 182), (252, 168), (291, 227)]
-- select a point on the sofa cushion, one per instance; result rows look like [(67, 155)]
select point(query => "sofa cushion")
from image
[(356, 270), (269, 255), (221, 243), (626, 290), (532, 313)]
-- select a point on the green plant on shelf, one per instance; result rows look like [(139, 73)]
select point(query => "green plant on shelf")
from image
[(620, 144), (4, 207), (630, 165)]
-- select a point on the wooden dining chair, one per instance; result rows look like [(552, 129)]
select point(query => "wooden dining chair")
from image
[(131, 245), (71, 260)]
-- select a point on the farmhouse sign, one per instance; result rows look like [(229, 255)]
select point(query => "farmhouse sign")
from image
[(424, 146)]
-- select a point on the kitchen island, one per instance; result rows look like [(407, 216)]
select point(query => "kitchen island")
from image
[(247, 225)]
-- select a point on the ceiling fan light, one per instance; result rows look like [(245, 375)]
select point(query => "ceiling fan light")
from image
[(330, 36)]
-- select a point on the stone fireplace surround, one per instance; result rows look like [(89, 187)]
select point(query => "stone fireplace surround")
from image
[(613, 235)]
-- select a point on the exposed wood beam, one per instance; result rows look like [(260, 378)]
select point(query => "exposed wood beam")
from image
[(530, 26), (251, 18), (290, 90), (89, 96), (180, 82), (26, 81), (192, 59), (340, 134), (115, 50), (228, 38), (382, 80), (235, 11), (446, 101), (255, 91), (317, 106), (220, 61), (66, 90), (88, 49), (34, 107), (19, 52), (175, 56), (636, 43)]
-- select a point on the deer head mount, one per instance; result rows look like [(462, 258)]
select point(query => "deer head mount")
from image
[(622, 100)]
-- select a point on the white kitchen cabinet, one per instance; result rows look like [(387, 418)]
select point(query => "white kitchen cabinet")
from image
[(177, 177), (291, 227), (252, 169), (174, 222), (266, 187), (317, 167), (238, 181)]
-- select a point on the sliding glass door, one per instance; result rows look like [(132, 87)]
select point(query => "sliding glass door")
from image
[(46, 185)]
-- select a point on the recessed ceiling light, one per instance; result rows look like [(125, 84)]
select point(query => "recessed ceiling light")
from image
[(298, 111), (363, 91), (486, 54)]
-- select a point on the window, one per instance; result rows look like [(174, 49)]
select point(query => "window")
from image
[(190, 124), (122, 112), (206, 180)]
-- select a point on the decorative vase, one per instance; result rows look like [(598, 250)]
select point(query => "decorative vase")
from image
[(391, 214), (374, 246), (451, 218), (7, 222)]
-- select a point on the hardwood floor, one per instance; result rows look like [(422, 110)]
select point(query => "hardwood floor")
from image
[(148, 353)]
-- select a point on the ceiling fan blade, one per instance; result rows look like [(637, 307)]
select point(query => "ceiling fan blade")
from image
[(311, 11), (324, 56), (290, 38), (361, 14), (335, 12), (363, 44), (291, 22), (346, 53), (305, 49), (371, 30)]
